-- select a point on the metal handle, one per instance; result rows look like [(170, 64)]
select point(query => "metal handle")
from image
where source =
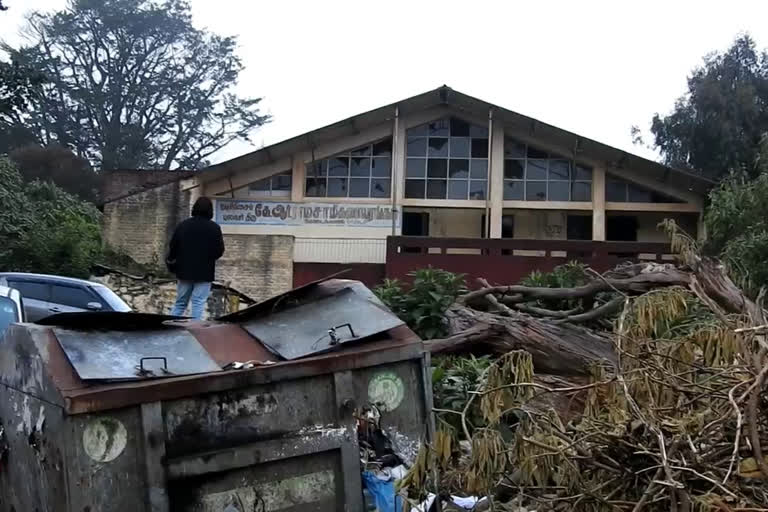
[(163, 359), (348, 326), (332, 333)]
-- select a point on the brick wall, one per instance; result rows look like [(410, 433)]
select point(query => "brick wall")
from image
[(258, 265), (141, 225), (120, 183)]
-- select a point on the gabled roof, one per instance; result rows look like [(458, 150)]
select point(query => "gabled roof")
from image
[(614, 158)]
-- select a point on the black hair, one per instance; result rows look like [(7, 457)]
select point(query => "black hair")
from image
[(203, 208)]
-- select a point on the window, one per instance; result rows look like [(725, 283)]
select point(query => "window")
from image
[(415, 224), (534, 175), (621, 228), (32, 290), (579, 227), (72, 296), (278, 185), (446, 159), (621, 191), (8, 314), (362, 172)]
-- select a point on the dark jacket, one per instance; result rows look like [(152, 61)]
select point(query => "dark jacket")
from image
[(195, 246)]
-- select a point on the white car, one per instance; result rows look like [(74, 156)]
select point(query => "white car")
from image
[(11, 308)]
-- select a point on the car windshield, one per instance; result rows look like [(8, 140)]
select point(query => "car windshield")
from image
[(115, 302), (8, 313)]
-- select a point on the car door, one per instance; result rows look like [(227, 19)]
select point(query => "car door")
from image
[(67, 298), (36, 296)]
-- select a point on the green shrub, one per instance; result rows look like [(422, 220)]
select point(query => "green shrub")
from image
[(422, 305)]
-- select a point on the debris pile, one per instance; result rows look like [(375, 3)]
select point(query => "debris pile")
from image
[(641, 389)]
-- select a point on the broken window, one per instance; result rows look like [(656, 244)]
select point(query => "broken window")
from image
[(532, 174), (278, 185), (452, 155), (618, 190), (365, 171)]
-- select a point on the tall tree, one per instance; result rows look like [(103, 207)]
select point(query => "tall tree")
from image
[(717, 125), (133, 84), (58, 165)]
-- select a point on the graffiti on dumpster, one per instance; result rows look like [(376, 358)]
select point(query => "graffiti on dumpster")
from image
[(104, 439), (386, 390)]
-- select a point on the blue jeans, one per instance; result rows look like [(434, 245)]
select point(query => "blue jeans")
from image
[(196, 292)]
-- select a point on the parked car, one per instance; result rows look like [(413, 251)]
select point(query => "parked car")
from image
[(46, 295), (11, 308)]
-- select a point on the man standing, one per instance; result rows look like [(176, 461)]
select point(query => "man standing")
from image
[(195, 246)]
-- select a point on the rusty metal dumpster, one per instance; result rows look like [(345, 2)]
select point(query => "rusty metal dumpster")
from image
[(255, 411)]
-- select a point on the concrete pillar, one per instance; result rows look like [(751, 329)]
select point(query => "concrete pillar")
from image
[(496, 178), (598, 204), (398, 168), (299, 174)]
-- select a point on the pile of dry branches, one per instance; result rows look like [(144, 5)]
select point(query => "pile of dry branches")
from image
[(664, 411)]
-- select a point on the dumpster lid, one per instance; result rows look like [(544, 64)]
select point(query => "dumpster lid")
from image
[(134, 354), (322, 325)]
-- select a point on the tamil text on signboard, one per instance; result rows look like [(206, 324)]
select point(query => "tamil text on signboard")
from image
[(243, 212)]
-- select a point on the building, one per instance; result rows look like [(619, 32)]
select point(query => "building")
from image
[(439, 179)]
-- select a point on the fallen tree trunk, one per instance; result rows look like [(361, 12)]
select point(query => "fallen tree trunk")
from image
[(560, 349)]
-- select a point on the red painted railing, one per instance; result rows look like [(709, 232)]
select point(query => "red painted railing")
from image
[(505, 261)]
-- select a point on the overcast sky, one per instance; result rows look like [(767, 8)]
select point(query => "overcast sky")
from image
[(592, 67)]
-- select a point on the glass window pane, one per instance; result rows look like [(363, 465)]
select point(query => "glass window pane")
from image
[(415, 189), (72, 296), (360, 167), (559, 170), (478, 169), (439, 128), (436, 189), (418, 131), (415, 167), (581, 191), (458, 189), (459, 147), (513, 169), (382, 167), (458, 168), (559, 191), (337, 187), (316, 187), (318, 169), (260, 186), (477, 189), (536, 153), (381, 187), (479, 148), (437, 168), (513, 149), (383, 148), (358, 187), (535, 190), (514, 190), (459, 128), (536, 170), (438, 146), (417, 146), (615, 191), (638, 194), (282, 182), (582, 173), (338, 166), (363, 151), (478, 131)]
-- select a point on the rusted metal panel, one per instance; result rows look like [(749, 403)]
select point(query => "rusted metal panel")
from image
[(321, 325), (105, 462), (33, 467), (153, 440), (343, 383), (229, 342), (304, 483), (116, 395), (248, 414), (107, 320), (135, 354)]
